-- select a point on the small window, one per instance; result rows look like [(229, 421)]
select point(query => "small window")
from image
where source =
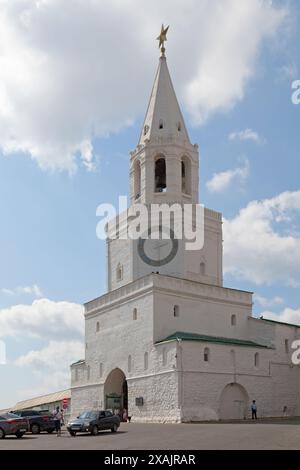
[(176, 310), (100, 370), (233, 320), (76, 375), (146, 361), (134, 314), (202, 268), (119, 274), (129, 363), (86, 346), (146, 129), (88, 372), (286, 345), (206, 355), (97, 327), (256, 360), (161, 124), (164, 357), (179, 126)]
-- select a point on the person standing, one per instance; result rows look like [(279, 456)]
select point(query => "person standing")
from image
[(254, 410), (57, 416)]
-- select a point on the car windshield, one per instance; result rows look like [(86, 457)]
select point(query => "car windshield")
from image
[(88, 415), (9, 416)]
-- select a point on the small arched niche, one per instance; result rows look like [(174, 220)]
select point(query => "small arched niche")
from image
[(186, 175), (137, 179)]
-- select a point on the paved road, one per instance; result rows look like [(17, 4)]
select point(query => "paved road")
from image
[(260, 435)]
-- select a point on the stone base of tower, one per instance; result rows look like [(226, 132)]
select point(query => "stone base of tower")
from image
[(175, 350)]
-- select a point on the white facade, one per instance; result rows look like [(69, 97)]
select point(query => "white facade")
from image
[(168, 341)]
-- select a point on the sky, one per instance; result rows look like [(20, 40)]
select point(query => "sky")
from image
[(75, 79)]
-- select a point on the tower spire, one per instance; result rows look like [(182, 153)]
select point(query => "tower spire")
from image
[(163, 117)]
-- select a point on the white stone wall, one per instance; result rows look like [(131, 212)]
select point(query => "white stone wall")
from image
[(177, 384), (202, 309), (274, 385)]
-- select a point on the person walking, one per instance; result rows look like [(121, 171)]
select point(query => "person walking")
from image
[(254, 410), (57, 416)]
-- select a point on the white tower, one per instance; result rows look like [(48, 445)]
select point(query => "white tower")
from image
[(164, 169)]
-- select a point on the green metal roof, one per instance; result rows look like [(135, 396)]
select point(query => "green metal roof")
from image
[(211, 339), (279, 322)]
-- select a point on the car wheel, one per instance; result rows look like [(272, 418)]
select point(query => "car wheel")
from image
[(19, 434), (35, 429), (72, 433), (94, 430), (2, 434), (114, 428), (50, 431)]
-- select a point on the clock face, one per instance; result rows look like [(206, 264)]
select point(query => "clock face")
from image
[(158, 252)]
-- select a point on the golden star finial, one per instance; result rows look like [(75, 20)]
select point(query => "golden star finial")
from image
[(162, 38)]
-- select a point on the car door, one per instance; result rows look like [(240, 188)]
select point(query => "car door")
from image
[(101, 420), (108, 419)]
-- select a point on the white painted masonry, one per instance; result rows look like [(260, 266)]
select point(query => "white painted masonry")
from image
[(170, 343)]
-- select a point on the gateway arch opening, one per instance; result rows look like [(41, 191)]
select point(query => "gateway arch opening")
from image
[(116, 391)]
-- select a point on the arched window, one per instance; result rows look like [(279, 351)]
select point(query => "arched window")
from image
[(256, 360), (146, 361), (97, 327), (202, 268), (129, 363), (164, 357), (233, 320), (186, 175), (161, 124), (206, 355), (160, 175), (101, 369), (137, 179), (179, 126), (119, 273), (134, 314), (176, 310), (88, 372)]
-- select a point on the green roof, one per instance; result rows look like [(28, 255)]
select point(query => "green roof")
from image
[(211, 339), (279, 322)]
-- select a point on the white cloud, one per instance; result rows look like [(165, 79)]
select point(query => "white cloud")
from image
[(70, 72), (288, 315), (247, 134), (51, 366), (43, 319), (27, 290), (54, 356), (221, 181), (261, 243), (265, 302)]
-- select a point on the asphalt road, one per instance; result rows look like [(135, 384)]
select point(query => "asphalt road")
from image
[(282, 435)]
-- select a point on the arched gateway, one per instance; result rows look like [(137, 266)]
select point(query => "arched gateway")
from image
[(115, 390), (233, 402)]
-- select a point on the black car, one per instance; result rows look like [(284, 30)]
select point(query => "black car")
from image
[(37, 421), (93, 422)]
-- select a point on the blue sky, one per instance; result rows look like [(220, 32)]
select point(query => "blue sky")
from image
[(65, 151)]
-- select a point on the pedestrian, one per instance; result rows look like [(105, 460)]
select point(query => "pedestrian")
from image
[(124, 415), (254, 410), (57, 416), (62, 421)]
